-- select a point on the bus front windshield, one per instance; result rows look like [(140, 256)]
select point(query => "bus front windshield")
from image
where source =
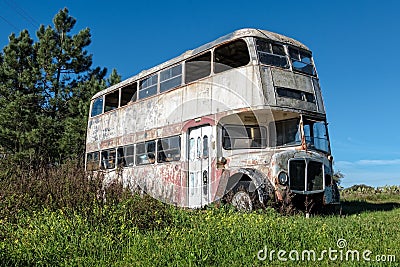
[(288, 133)]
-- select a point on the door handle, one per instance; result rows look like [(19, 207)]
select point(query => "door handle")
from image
[(205, 177)]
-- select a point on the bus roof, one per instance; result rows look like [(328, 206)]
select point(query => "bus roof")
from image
[(248, 32)]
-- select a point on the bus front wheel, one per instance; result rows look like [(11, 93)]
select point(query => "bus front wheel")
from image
[(242, 199)]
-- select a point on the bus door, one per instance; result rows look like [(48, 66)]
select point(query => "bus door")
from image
[(199, 166)]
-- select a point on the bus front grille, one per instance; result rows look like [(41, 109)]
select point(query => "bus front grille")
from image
[(306, 175)]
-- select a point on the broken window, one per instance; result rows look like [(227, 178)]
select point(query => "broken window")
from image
[(92, 161), (120, 157), (129, 152), (295, 94), (111, 101), (271, 53), (125, 156), (146, 153), (97, 106), (198, 67), (243, 136), (128, 94), (231, 55), (169, 149), (170, 78), (148, 86), (301, 60), (108, 159)]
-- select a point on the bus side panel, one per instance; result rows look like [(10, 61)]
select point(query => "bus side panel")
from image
[(235, 89), (169, 111), (196, 100)]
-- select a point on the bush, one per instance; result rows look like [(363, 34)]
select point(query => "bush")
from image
[(69, 188)]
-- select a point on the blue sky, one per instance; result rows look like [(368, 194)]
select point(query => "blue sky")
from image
[(354, 44)]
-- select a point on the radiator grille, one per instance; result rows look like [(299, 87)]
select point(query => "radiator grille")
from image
[(302, 180)]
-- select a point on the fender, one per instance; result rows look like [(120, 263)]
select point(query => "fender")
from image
[(258, 180)]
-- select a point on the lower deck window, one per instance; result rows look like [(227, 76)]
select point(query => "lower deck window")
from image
[(92, 161), (127, 155), (146, 153), (244, 136), (285, 132), (169, 149), (108, 159)]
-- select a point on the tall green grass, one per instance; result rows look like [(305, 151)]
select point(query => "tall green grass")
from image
[(130, 230)]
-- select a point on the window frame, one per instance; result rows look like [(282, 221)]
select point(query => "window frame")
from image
[(145, 160), (100, 98), (288, 93), (148, 88), (229, 67), (299, 59), (93, 162), (161, 149), (271, 53), (110, 161), (225, 134), (186, 69), (161, 81), (285, 124), (105, 101), (134, 95)]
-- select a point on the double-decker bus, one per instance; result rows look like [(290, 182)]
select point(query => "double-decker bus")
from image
[(240, 119)]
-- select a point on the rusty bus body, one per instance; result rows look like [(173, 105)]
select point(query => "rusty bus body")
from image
[(240, 116)]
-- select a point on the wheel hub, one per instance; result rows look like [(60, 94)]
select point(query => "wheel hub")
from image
[(242, 201)]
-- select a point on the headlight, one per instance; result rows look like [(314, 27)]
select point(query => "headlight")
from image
[(283, 178)]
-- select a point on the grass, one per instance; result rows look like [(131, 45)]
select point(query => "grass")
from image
[(135, 231)]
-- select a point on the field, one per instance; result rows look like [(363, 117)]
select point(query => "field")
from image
[(49, 221)]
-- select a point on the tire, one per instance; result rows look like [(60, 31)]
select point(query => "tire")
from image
[(242, 199)]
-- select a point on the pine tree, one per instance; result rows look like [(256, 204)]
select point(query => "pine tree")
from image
[(20, 98), (45, 91), (64, 64)]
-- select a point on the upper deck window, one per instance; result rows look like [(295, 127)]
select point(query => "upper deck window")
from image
[(301, 60), (97, 106), (198, 67), (111, 101), (271, 54), (295, 94), (148, 86), (231, 55), (170, 78), (128, 94)]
